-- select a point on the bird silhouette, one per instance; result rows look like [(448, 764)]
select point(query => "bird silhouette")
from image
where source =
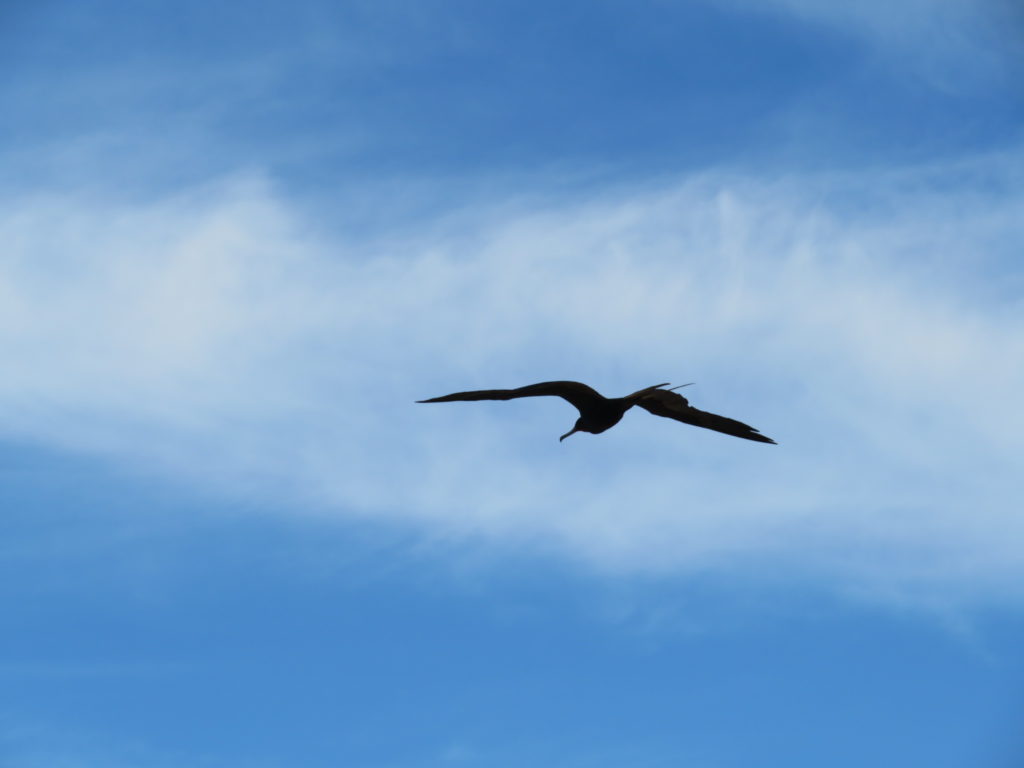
[(599, 413)]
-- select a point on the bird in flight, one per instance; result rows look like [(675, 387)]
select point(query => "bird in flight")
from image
[(598, 413)]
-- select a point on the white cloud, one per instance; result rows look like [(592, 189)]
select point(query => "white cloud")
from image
[(953, 43), (870, 323)]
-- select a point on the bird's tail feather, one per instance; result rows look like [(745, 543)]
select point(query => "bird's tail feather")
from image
[(641, 392)]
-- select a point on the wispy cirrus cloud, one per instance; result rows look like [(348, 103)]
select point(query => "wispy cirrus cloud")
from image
[(870, 322), (953, 43)]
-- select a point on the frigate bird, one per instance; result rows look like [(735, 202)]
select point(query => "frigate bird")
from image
[(598, 413)]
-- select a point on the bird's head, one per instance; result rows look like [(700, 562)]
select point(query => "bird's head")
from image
[(575, 428)]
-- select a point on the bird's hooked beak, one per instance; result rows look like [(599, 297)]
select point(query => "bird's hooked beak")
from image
[(570, 432)]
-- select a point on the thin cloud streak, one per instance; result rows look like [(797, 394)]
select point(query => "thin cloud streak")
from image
[(216, 335), (953, 44)]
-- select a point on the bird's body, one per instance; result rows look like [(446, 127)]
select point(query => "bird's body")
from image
[(599, 413)]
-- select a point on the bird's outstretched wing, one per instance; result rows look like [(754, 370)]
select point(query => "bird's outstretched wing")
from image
[(662, 402), (580, 395)]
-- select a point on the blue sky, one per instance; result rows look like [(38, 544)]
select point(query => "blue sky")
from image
[(239, 243)]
